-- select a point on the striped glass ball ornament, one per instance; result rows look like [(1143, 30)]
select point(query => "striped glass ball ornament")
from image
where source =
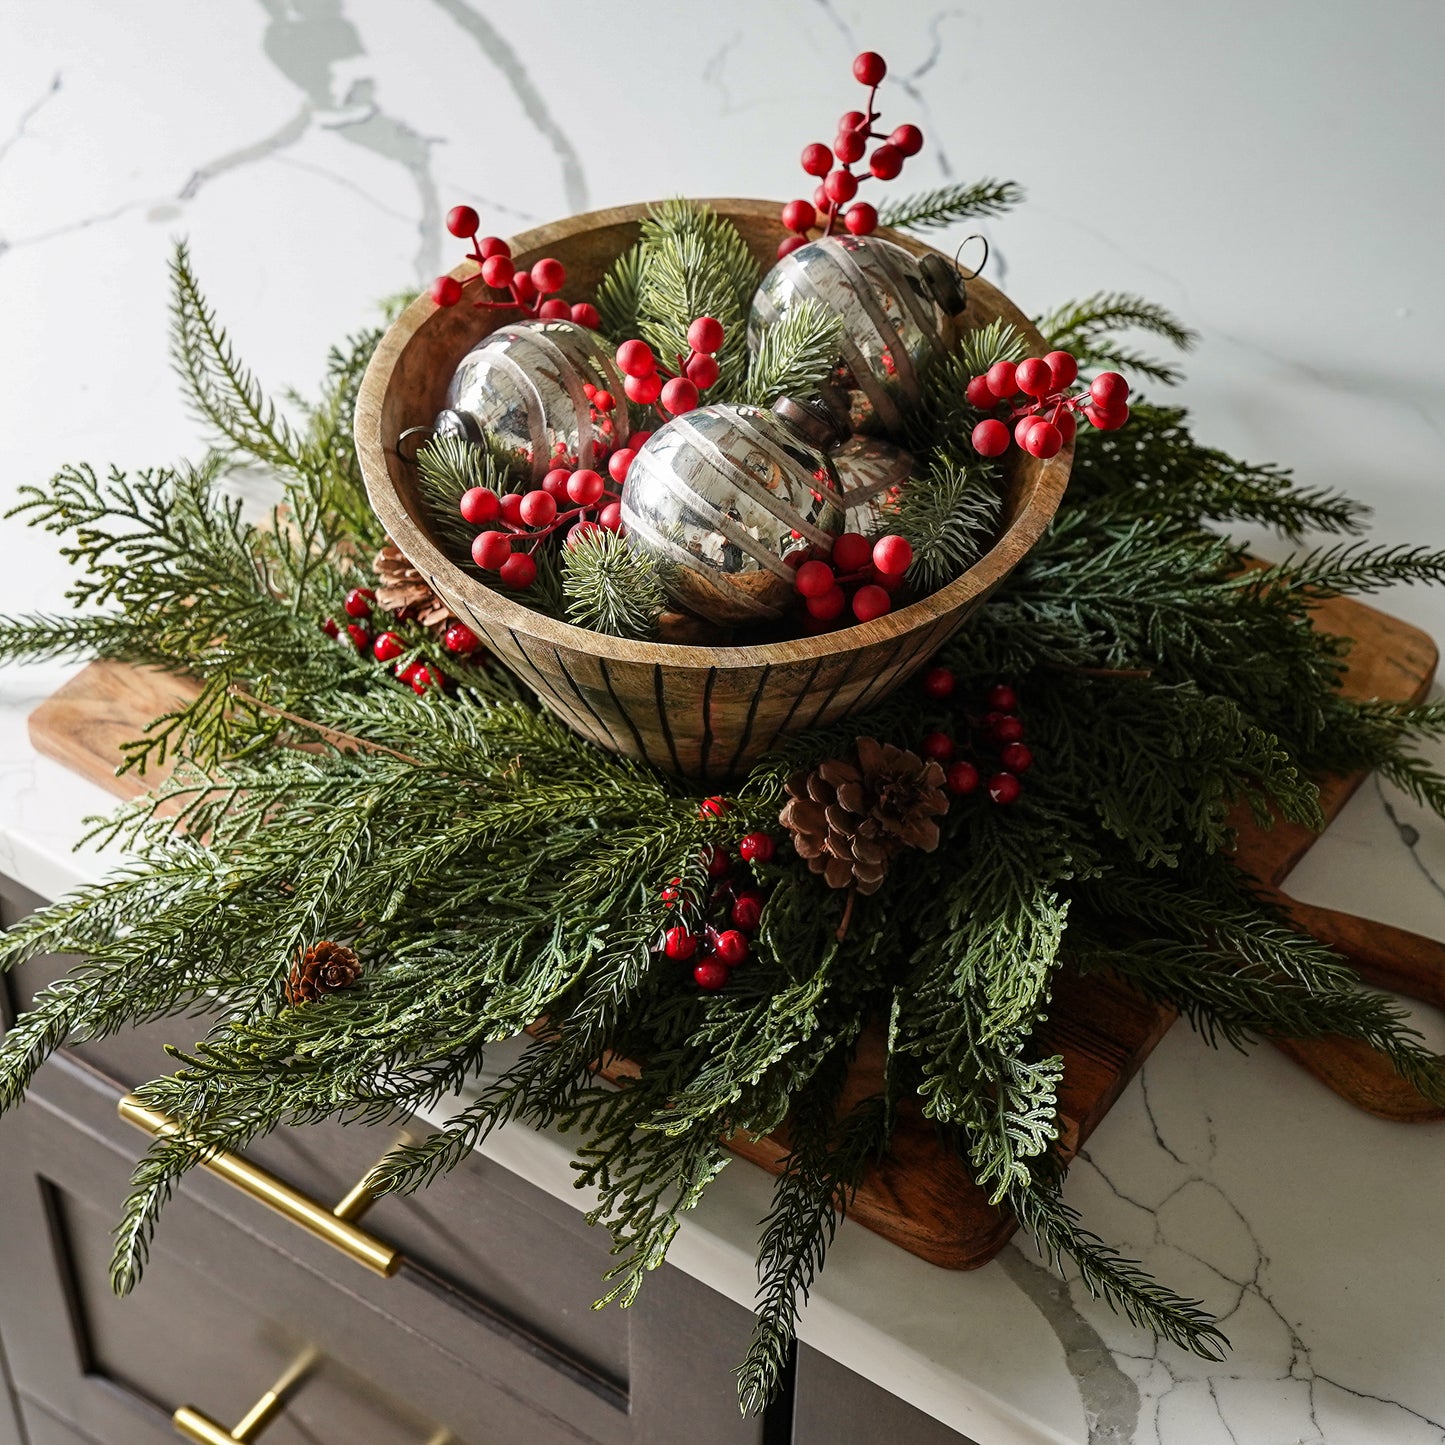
[(871, 474), (896, 311), (728, 494), (524, 387)]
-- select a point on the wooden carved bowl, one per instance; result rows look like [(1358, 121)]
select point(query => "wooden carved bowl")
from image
[(706, 712)]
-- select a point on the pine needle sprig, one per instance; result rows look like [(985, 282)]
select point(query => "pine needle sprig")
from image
[(933, 210), (794, 356), (1089, 328), (619, 295), (613, 587), (949, 516)]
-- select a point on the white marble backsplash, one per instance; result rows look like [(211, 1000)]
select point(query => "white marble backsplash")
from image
[(1269, 171)]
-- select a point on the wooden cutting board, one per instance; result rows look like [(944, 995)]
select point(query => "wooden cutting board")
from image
[(919, 1196)]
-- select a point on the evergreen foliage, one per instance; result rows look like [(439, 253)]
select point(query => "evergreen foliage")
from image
[(613, 587), (492, 870)]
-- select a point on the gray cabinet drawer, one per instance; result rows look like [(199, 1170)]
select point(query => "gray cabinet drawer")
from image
[(833, 1406)]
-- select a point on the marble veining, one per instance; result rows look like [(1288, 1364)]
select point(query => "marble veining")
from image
[(310, 168)]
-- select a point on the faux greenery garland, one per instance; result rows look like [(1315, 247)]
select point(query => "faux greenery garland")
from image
[(489, 868)]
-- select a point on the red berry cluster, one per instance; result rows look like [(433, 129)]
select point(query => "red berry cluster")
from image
[(995, 740), (837, 185), (647, 383), (714, 939), (533, 293), (874, 569), (579, 501), (1044, 422), (387, 646)]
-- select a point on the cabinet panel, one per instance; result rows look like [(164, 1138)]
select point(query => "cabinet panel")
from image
[(833, 1406)]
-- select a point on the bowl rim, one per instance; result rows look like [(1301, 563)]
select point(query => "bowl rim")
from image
[(416, 544)]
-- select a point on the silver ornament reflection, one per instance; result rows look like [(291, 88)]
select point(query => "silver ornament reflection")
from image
[(523, 386), (896, 311), (871, 473), (728, 494)]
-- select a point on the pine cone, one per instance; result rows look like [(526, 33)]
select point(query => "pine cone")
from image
[(849, 820), (402, 590), (324, 968)]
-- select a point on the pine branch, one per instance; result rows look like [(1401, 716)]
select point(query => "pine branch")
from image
[(1089, 328), (619, 296), (933, 210), (795, 355), (948, 515), (612, 587)]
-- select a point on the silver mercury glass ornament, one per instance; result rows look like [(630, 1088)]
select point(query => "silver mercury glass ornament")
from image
[(896, 308), (523, 386), (871, 473), (728, 494)]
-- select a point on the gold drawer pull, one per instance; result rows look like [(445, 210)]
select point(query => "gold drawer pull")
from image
[(335, 1226), (193, 1425)]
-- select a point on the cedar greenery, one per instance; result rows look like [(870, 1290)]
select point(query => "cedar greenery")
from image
[(491, 869)]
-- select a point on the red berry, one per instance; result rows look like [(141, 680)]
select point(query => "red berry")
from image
[(908, 139), (619, 463), (360, 637), (463, 221), (869, 68), (635, 358), (1008, 730), (710, 975), (539, 508), (848, 146), (886, 162), (757, 847), (423, 678), (789, 244), (829, 605), (584, 313), (730, 947), (1004, 788), (1002, 379), (1017, 757), (1035, 377), (586, 488), (851, 552), (705, 335), (555, 482), (679, 395), (639, 439), (581, 529), (815, 579), (852, 120), (1107, 419), (798, 216), (861, 219), (555, 310), (821, 201), (524, 289), (446, 290), (962, 777), (939, 682), (460, 638), (977, 393), (519, 571), (512, 509), (747, 911), (678, 943), (479, 505), (491, 549), (672, 892), (549, 275), (1024, 426), (331, 628), (817, 159), (610, 517), (644, 390), (871, 601), (357, 603), (1044, 440), (702, 371), (1067, 426), (387, 646), (938, 747), (892, 555), (990, 438), (604, 400), (715, 807), (491, 246), (1002, 698), (497, 272), (1109, 390), (841, 186), (1064, 368), (716, 860)]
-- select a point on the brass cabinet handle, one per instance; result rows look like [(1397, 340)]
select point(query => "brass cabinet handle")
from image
[(203, 1430), (334, 1226)]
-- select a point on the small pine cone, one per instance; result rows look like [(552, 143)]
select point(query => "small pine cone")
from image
[(324, 968), (849, 820), (402, 590)]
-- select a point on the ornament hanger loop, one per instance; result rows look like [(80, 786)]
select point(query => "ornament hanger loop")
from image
[(412, 431), (977, 270)]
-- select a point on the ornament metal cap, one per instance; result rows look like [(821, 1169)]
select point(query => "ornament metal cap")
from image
[(813, 420), (451, 423), (945, 283)]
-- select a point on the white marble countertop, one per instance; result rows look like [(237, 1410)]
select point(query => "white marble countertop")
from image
[(1257, 171)]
